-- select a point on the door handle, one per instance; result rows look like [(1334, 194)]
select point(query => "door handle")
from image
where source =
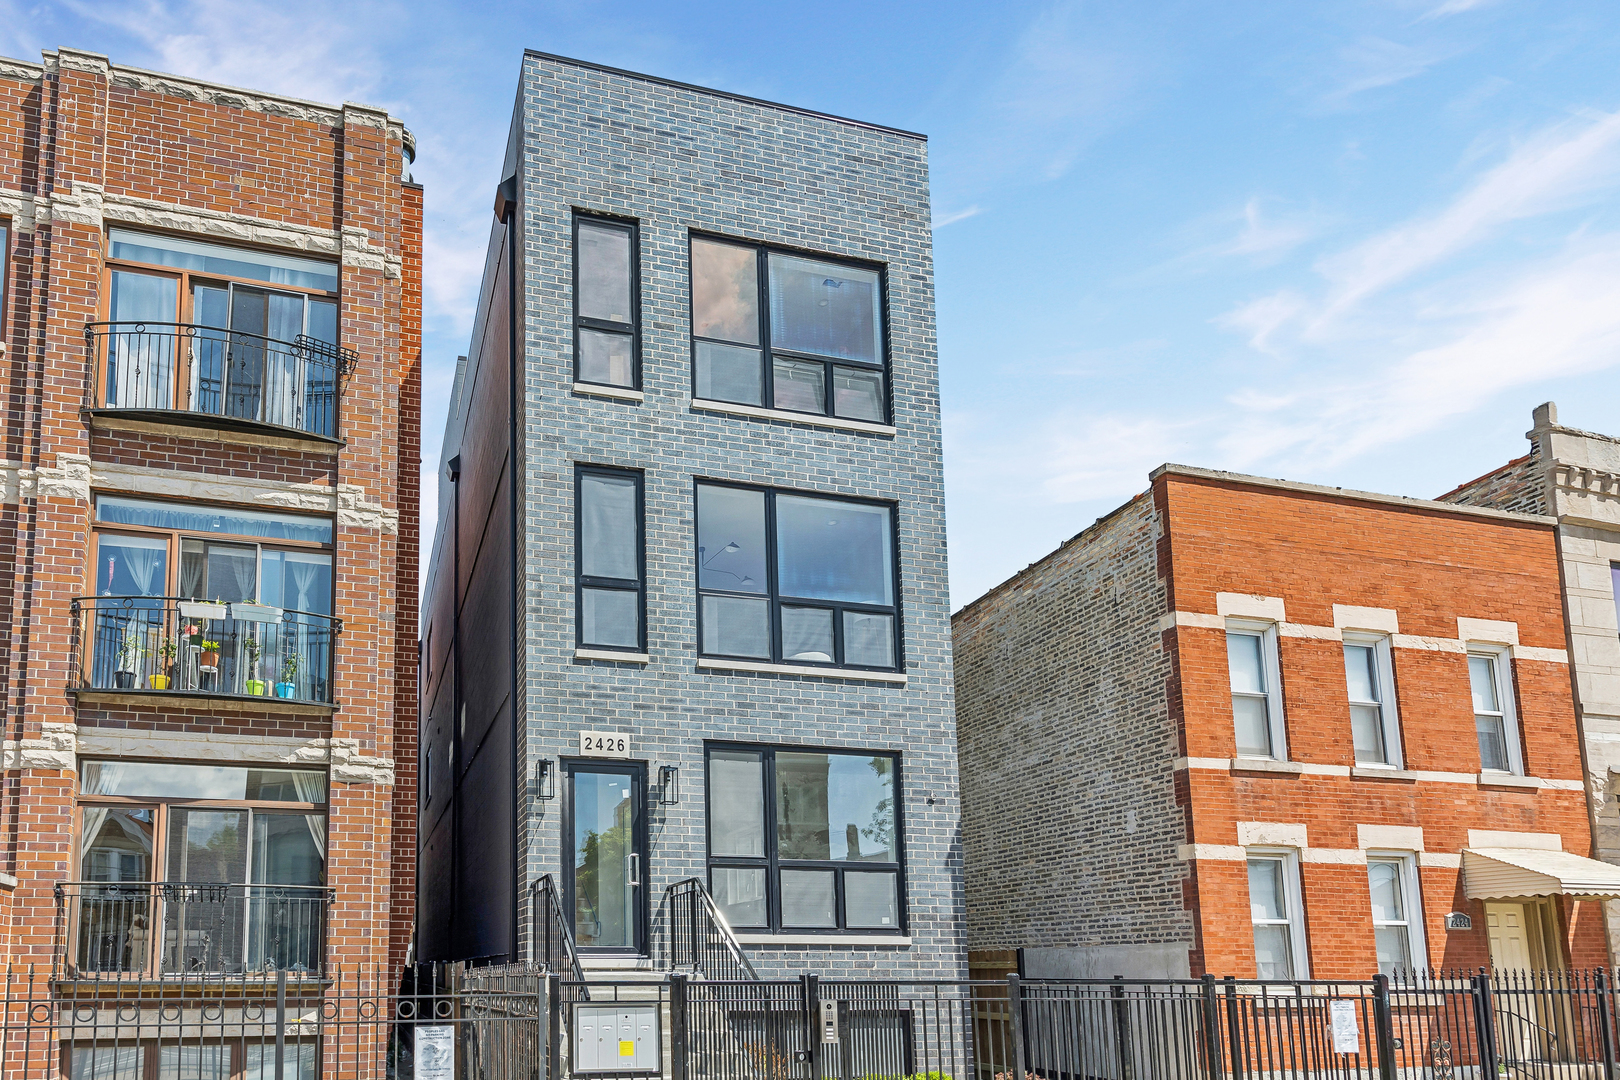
[(632, 870)]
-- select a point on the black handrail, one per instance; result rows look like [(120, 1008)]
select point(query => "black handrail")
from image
[(145, 643), (697, 936), (231, 374), (554, 946)]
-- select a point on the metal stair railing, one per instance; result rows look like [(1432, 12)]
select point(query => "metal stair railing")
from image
[(697, 937), (553, 938)]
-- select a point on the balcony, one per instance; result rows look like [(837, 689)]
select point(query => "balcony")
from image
[(168, 645), (221, 379), (172, 929)]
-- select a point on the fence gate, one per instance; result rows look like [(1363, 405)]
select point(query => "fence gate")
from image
[(438, 1022)]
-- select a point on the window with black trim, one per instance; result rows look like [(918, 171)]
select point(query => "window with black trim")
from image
[(5, 266), (806, 840), (609, 556), (607, 337), (787, 331), (796, 579)]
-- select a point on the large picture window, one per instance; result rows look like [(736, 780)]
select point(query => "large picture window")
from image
[(151, 559), (610, 556), (796, 579), (230, 332), (186, 868), (805, 840), (607, 343), (787, 331)]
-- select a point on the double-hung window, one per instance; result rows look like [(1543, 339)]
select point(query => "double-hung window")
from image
[(1275, 911), (1491, 683), (1396, 912), (1374, 728), (1251, 656), (607, 345), (787, 331), (797, 579), (805, 840), (1614, 578), (610, 556)]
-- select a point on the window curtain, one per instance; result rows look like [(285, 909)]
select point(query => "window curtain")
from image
[(246, 570), (311, 787), (100, 778), (191, 574), (143, 563), (303, 576)]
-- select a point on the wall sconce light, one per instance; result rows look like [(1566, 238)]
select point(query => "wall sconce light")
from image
[(545, 779), (669, 785)]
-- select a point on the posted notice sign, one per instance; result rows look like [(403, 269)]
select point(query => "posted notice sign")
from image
[(1346, 1035), (435, 1052)]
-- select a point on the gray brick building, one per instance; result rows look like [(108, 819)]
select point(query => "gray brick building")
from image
[(692, 515)]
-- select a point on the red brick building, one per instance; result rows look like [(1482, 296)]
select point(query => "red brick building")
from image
[(209, 530), (1253, 727)]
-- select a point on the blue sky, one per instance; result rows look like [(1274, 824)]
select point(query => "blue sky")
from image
[(1348, 243)]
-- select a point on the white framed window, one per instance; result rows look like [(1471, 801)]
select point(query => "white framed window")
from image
[(1490, 679), (1397, 911), (1370, 682), (1257, 713), (1277, 915)]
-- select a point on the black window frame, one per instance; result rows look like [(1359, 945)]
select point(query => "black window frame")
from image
[(583, 581), (773, 864), (762, 254), (775, 600), (631, 329)]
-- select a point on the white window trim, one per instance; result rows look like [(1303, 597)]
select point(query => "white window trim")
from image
[(1501, 657), (1384, 657), (1293, 894), (1412, 894), (1270, 661)]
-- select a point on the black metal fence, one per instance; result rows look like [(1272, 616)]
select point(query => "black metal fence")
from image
[(180, 367), (525, 1023), (690, 934), (172, 645)]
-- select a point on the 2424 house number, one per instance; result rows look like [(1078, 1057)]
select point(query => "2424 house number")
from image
[(604, 744)]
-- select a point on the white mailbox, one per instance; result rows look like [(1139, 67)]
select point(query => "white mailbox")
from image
[(621, 1037)]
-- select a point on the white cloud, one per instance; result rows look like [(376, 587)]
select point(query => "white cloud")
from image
[(940, 221), (1371, 63), (1455, 7), (1560, 167)]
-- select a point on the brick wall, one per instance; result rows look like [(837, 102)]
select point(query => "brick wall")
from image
[(1519, 486), (84, 146), (1070, 820)]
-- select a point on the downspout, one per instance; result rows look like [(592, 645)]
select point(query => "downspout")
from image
[(506, 201), (454, 469)]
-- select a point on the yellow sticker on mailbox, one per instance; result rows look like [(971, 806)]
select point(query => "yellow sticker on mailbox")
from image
[(627, 1048)]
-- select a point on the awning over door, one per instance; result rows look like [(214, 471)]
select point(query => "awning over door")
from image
[(1499, 873)]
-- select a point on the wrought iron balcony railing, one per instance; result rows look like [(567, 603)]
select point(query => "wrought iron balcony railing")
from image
[(227, 375), (191, 928), (170, 645)]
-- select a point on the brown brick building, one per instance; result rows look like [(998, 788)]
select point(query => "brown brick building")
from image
[(209, 529), (1253, 727)]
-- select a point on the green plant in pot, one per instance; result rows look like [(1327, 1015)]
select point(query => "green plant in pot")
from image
[(166, 651), (209, 656), (288, 686), (129, 654), (255, 685)]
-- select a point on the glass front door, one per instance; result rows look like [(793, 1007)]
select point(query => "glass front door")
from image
[(605, 856)]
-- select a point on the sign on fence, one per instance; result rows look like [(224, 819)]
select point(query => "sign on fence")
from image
[(1346, 1036), (436, 1052)]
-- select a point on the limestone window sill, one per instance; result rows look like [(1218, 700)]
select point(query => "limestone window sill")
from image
[(808, 419), (617, 393), (823, 939), (1513, 780), (1372, 772), (857, 674), (610, 654), (1267, 765)]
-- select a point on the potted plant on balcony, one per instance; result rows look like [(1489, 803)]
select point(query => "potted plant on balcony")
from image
[(129, 653), (255, 685), (288, 685), (167, 650), (209, 656)]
